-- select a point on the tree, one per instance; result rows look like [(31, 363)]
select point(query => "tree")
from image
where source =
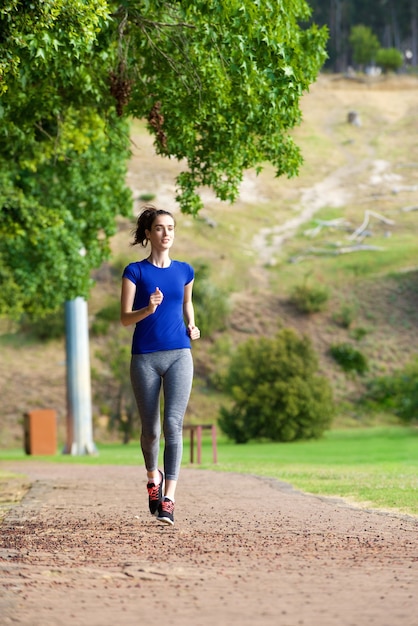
[(364, 44), (219, 84), (56, 226), (395, 23), (276, 391), (63, 154)]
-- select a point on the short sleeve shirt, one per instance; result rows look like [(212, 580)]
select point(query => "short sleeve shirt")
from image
[(165, 329)]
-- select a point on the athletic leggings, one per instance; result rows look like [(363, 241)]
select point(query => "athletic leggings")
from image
[(174, 370)]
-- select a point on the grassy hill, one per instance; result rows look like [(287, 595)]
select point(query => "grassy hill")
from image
[(357, 188)]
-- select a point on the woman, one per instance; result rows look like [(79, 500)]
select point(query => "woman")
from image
[(157, 298)]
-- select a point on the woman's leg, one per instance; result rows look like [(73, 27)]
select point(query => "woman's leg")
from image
[(177, 385), (146, 385)]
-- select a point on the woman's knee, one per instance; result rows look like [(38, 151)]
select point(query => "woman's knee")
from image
[(151, 437), (173, 429)]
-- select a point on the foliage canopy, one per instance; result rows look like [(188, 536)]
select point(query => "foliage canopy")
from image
[(365, 44), (218, 82)]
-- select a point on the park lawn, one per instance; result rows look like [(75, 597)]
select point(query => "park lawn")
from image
[(375, 468), (370, 467)]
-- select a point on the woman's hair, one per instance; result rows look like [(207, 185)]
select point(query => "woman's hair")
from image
[(145, 221)]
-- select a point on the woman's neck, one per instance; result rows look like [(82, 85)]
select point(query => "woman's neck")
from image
[(159, 260)]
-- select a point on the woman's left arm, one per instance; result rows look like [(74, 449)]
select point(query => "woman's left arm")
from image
[(188, 312)]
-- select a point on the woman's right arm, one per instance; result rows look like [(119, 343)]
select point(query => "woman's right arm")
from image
[(127, 315)]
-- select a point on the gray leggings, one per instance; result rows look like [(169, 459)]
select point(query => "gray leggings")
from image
[(174, 369)]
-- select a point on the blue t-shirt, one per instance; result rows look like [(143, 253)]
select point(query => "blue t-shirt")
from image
[(165, 329)]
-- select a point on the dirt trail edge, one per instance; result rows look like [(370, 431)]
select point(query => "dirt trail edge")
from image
[(82, 549)]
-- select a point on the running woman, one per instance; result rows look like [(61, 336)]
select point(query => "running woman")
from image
[(157, 297)]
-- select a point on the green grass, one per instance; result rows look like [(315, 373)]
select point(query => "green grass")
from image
[(395, 255), (374, 467)]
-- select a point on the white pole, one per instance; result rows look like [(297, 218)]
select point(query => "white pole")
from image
[(79, 408)]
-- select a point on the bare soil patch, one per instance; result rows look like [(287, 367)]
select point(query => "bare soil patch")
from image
[(81, 548)]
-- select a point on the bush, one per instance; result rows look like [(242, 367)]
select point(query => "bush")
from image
[(211, 304), (346, 316), (348, 358), (358, 333), (276, 391), (146, 197), (309, 299), (389, 59), (105, 317), (112, 386), (397, 392), (44, 328)]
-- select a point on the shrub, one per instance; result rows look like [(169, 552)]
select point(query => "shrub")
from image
[(44, 328), (146, 197), (105, 317), (211, 304), (346, 316), (348, 358), (358, 333), (309, 299), (112, 386), (389, 59), (276, 391), (110, 312), (397, 392)]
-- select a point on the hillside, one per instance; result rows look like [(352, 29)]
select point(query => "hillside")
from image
[(271, 240)]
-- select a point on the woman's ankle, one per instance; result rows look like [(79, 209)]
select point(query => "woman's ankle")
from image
[(154, 477)]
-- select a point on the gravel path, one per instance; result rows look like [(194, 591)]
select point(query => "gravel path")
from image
[(81, 549)]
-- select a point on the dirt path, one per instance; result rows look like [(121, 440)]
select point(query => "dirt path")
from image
[(81, 549)]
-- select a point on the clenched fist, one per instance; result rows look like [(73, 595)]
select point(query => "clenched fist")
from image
[(193, 332), (155, 300)]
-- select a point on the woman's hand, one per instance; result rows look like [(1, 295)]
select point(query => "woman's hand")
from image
[(193, 332), (155, 300)]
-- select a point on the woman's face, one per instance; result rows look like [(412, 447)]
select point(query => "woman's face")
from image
[(161, 235)]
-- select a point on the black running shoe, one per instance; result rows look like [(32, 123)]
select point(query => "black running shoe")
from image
[(166, 511), (155, 495)]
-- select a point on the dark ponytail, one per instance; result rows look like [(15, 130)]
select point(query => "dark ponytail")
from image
[(145, 221)]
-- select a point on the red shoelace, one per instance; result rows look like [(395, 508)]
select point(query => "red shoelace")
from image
[(167, 506), (154, 492)]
